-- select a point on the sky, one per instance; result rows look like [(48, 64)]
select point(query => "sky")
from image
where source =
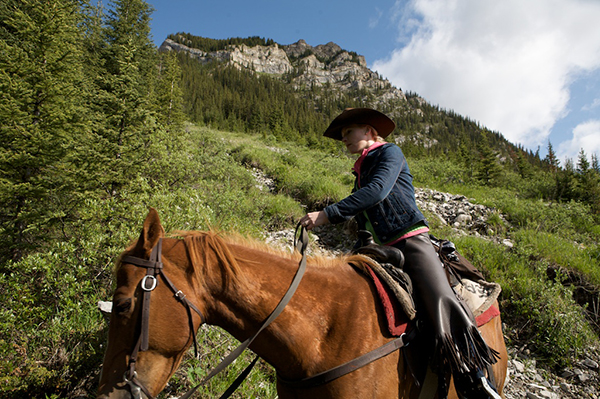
[(528, 69)]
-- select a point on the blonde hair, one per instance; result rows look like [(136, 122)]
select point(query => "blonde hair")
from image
[(376, 135)]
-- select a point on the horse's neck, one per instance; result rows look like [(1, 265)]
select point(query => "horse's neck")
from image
[(319, 311), (242, 306)]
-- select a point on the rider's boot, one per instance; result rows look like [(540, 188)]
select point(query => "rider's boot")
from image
[(475, 385)]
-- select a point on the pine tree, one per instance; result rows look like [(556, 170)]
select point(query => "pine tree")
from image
[(524, 167), (595, 164), (551, 159), (488, 169), (588, 183), (169, 95), (122, 96), (566, 182), (40, 117)]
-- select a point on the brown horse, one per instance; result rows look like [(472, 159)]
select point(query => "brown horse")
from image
[(332, 318)]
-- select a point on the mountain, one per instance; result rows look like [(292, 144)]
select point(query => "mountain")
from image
[(322, 65), (327, 74)]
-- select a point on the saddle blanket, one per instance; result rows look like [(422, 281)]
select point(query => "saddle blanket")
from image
[(481, 303)]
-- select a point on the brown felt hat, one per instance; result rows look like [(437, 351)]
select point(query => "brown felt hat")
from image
[(360, 116)]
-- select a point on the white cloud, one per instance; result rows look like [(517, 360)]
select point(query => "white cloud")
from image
[(374, 20), (507, 64), (593, 105), (586, 136)]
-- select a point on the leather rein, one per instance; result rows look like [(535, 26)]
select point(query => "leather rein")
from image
[(154, 269)]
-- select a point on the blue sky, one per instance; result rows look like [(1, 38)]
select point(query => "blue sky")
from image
[(529, 69)]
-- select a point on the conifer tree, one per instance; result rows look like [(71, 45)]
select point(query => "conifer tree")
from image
[(551, 159), (566, 182), (588, 183), (40, 117), (488, 169), (122, 96), (524, 167), (169, 95)]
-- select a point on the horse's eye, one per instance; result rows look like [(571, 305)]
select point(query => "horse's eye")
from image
[(122, 306)]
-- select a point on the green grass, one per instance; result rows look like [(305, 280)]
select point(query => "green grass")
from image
[(213, 342), (309, 176)]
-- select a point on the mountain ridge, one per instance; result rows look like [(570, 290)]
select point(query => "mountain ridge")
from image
[(320, 65)]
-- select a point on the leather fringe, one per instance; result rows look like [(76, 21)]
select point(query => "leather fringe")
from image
[(462, 354)]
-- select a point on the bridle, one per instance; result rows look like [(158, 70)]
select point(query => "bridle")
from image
[(154, 269)]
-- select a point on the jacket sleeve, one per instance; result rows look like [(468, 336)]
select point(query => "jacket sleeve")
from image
[(388, 165)]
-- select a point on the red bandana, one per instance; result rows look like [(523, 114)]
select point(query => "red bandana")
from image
[(364, 153)]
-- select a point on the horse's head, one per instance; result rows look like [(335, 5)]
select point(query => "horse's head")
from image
[(149, 325)]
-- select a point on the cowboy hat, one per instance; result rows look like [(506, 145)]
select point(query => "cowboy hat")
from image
[(360, 116)]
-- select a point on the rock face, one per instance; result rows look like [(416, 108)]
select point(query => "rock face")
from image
[(272, 60), (262, 59), (323, 65)]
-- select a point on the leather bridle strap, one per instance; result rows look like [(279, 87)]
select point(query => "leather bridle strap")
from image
[(353, 365), (153, 272), (154, 268), (188, 307)]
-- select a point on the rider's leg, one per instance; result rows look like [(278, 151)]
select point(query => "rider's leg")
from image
[(458, 343)]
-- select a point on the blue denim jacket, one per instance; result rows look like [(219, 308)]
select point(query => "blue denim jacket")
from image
[(383, 199)]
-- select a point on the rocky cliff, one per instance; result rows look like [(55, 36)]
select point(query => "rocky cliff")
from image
[(324, 65)]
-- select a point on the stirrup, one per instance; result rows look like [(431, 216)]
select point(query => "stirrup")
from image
[(475, 386), (491, 391)]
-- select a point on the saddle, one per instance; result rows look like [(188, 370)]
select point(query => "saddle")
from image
[(481, 297), (388, 268), (388, 276)]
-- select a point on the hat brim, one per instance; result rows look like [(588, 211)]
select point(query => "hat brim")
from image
[(360, 116)]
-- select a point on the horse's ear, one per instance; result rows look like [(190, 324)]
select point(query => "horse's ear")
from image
[(151, 232)]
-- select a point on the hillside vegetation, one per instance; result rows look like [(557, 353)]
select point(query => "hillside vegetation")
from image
[(93, 129)]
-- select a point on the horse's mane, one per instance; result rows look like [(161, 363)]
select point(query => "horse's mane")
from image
[(197, 243)]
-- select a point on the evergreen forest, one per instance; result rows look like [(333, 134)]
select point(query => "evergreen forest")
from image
[(96, 126)]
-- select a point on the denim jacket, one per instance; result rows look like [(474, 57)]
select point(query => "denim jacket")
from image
[(383, 198)]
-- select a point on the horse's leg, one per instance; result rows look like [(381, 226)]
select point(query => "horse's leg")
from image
[(492, 333)]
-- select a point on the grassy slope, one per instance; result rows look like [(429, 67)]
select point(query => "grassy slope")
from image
[(537, 311), (56, 334)]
